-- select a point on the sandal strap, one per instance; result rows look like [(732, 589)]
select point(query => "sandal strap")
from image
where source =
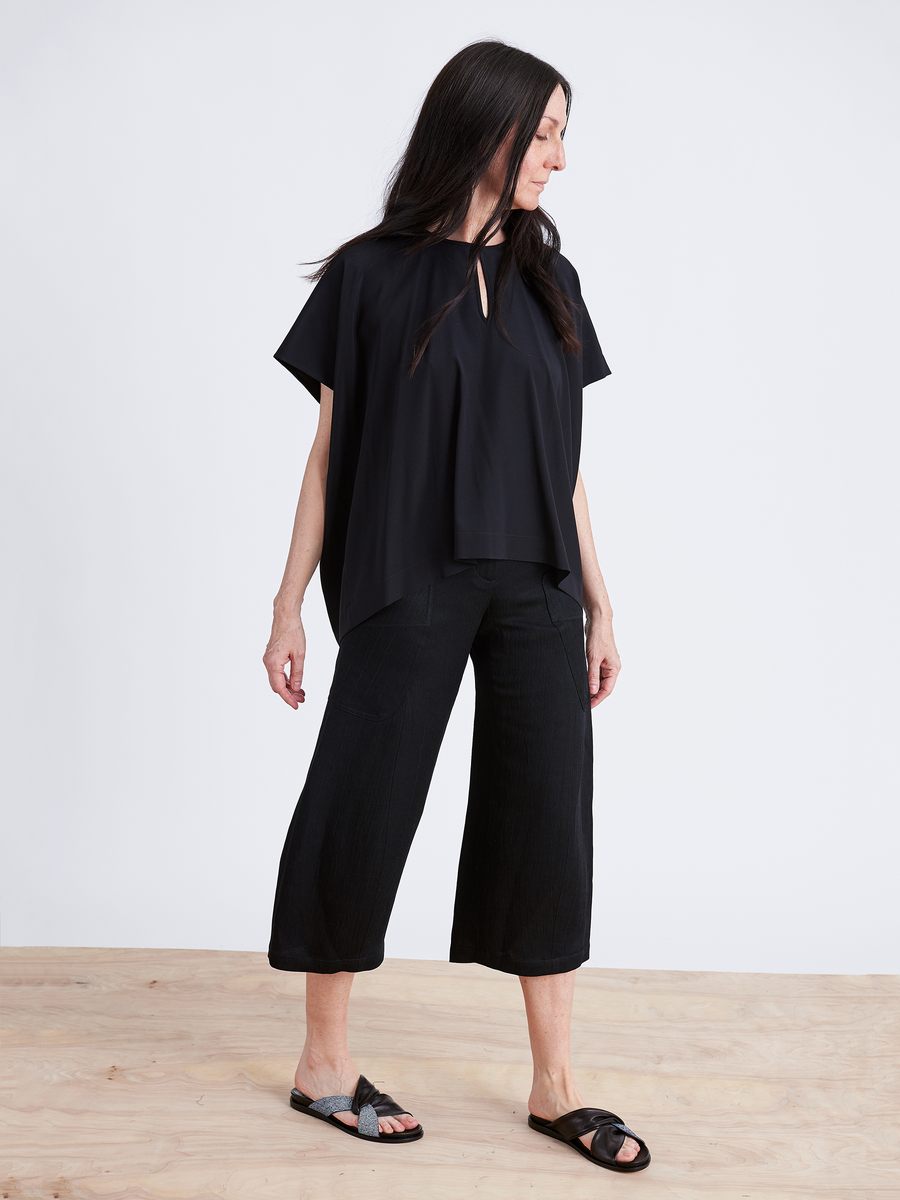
[(610, 1134), (366, 1103), (368, 1118), (368, 1095)]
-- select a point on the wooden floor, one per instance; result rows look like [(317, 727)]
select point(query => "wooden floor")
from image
[(165, 1073)]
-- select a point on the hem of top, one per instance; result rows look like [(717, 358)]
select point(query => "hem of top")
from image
[(486, 543), (323, 966), (595, 379), (309, 380), (514, 966), (426, 570)]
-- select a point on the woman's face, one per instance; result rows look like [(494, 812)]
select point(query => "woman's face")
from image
[(545, 154)]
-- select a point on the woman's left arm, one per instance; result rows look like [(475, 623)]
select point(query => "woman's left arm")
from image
[(602, 656)]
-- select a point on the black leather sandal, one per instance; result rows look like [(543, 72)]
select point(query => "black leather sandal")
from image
[(606, 1142), (367, 1103)]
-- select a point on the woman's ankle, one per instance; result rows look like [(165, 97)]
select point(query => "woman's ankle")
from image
[(558, 1078), (326, 1058), (559, 1083)]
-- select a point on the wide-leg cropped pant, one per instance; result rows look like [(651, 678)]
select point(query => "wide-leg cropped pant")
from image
[(523, 897)]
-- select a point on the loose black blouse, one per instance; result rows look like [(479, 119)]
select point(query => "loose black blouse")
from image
[(474, 457)]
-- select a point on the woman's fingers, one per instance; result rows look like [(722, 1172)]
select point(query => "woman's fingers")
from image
[(287, 650), (603, 664), (593, 679), (278, 681), (297, 677), (607, 681)]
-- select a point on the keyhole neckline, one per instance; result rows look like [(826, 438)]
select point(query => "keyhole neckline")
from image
[(486, 300), (486, 318)]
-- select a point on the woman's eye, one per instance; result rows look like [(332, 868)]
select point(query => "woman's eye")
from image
[(540, 137)]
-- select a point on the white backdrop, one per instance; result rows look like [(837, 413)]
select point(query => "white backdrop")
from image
[(730, 203)]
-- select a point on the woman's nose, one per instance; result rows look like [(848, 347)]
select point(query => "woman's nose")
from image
[(556, 160)]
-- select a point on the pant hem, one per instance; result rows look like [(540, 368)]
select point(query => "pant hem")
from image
[(512, 966), (328, 966)]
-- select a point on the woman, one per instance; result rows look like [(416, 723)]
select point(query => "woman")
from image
[(448, 347)]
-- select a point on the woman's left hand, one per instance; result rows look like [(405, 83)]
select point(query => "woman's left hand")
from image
[(603, 659)]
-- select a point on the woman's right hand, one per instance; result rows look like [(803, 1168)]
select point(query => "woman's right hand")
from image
[(287, 646)]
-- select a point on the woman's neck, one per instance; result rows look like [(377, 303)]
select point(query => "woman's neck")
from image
[(468, 233), (475, 220)]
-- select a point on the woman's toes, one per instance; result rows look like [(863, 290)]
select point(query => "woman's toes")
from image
[(398, 1124), (629, 1151)]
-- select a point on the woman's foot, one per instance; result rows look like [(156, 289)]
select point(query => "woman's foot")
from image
[(550, 1103), (316, 1077)]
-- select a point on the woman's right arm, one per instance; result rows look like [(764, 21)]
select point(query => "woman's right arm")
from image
[(288, 641)]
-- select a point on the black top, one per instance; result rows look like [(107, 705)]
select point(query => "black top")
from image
[(474, 457)]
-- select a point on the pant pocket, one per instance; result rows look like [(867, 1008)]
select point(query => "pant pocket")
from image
[(377, 659), (568, 616)]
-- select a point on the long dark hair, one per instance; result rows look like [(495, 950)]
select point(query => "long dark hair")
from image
[(485, 92)]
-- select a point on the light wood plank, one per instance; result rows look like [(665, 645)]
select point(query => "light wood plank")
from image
[(160, 1074)]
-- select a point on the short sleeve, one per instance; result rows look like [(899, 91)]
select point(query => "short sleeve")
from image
[(310, 348), (593, 364)]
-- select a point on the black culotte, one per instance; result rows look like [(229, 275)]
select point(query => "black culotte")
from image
[(523, 896)]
